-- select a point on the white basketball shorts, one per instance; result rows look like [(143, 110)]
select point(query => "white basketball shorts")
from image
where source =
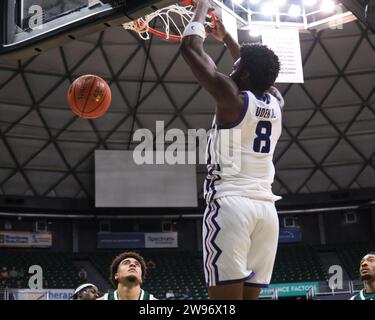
[(240, 237)]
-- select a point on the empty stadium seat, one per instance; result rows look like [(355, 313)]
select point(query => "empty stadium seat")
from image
[(297, 264)]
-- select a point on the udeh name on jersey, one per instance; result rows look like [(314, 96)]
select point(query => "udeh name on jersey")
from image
[(240, 156)]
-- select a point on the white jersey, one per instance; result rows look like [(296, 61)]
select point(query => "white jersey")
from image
[(239, 156), (113, 296)]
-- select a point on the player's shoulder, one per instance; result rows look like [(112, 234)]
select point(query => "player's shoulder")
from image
[(104, 297), (147, 296), (355, 297), (250, 101), (270, 100)]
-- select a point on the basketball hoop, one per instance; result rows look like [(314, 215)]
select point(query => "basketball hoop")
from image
[(173, 18)]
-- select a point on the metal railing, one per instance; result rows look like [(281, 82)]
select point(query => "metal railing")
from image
[(323, 289), (3, 294), (310, 294), (23, 294)]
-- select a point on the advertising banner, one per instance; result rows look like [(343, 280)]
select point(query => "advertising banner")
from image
[(136, 240), (41, 294), (286, 44), (289, 289), (290, 235), (121, 240), (161, 240), (20, 239)]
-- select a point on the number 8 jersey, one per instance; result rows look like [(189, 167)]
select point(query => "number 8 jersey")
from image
[(240, 155)]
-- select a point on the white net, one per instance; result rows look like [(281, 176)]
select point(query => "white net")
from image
[(173, 20)]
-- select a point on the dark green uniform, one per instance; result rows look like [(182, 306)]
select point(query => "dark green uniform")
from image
[(362, 295), (144, 296)]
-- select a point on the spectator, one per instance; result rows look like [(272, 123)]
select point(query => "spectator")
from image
[(13, 273), (45, 283), (19, 284), (4, 273), (169, 295), (82, 274), (186, 294)]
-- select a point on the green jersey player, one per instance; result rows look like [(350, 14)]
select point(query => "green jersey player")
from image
[(128, 271), (367, 273)]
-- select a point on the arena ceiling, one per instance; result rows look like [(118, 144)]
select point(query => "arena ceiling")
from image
[(328, 139)]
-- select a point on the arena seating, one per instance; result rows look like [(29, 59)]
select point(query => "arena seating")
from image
[(297, 263), (58, 268), (177, 270)]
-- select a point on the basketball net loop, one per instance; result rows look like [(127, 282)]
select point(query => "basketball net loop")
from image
[(170, 18)]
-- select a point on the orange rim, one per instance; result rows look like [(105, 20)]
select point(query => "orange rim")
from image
[(163, 34), (213, 18), (187, 2)]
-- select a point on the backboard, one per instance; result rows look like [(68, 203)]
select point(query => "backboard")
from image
[(31, 26)]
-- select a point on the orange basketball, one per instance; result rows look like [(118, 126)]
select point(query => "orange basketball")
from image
[(89, 96)]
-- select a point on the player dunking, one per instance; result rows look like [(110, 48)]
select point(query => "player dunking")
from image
[(240, 229)]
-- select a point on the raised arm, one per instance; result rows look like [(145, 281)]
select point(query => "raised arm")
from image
[(222, 35), (221, 87)]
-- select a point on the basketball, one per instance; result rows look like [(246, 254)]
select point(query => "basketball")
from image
[(89, 96)]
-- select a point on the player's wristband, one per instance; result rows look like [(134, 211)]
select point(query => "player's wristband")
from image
[(195, 29)]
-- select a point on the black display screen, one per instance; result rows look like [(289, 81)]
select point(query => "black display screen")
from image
[(36, 24), (27, 20), (44, 11)]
